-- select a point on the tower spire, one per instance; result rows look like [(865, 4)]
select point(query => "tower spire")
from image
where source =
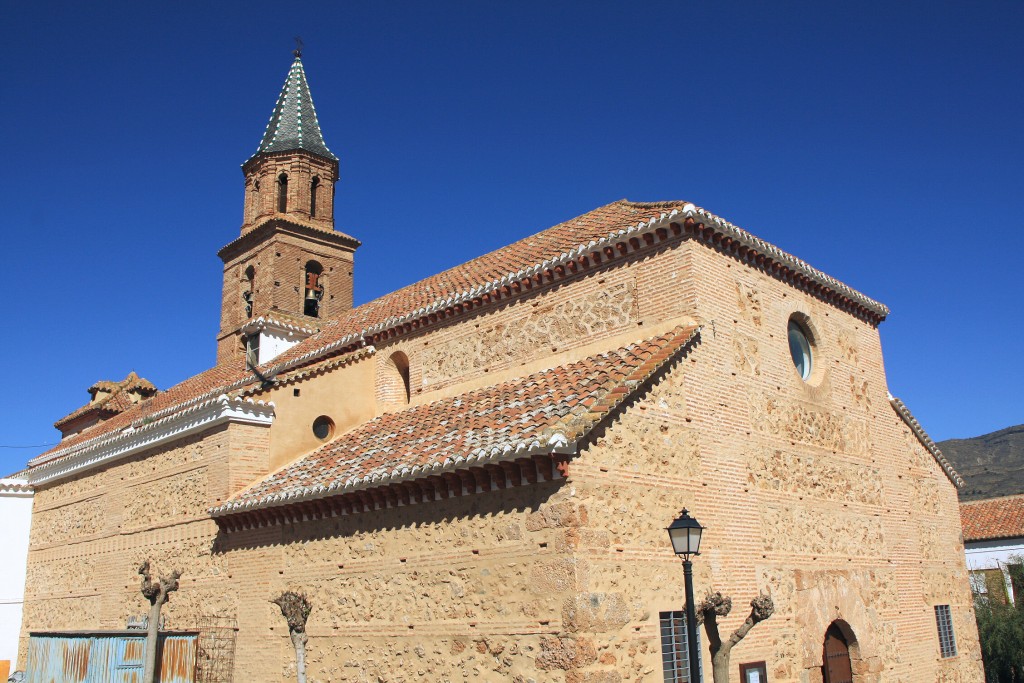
[(293, 125)]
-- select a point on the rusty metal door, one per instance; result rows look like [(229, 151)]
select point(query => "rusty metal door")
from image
[(58, 660), (107, 657), (177, 659), (836, 667)]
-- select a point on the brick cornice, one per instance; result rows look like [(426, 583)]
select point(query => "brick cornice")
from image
[(282, 226)]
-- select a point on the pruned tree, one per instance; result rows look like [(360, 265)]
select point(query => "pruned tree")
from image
[(157, 593), (296, 608), (716, 605)]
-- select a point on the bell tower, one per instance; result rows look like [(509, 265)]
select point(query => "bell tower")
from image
[(289, 269)]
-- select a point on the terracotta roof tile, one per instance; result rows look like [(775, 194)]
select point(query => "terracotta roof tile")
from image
[(529, 251), (116, 402), (343, 332), (993, 518), (211, 382), (542, 411), (590, 226)]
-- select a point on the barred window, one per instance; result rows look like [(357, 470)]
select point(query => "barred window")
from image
[(947, 641), (674, 649)]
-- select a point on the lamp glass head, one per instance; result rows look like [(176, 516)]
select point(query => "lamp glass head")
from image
[(685, 535)]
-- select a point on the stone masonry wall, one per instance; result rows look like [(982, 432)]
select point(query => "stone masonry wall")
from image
[(813, 491), (91, 533), (463, 589)]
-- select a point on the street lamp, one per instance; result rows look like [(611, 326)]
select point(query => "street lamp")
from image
[(685, 536)]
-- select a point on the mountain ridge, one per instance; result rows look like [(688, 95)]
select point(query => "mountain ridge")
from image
[(992, 465)]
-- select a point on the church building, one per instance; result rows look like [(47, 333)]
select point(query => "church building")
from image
[(470, 478)]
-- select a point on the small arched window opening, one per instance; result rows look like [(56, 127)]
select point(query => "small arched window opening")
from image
[(282, 192), (314, 185), (250, 287), (401, 363), (393, 387), (314, 289)]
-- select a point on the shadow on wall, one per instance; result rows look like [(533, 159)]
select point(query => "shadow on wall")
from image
[(519, 499)]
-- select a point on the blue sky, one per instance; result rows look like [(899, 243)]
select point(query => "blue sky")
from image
[(880, 142)]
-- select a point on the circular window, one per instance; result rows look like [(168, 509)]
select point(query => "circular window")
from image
[(323, 427), (800, 349)]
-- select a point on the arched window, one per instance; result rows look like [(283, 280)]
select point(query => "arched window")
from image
[(282, 192), (250, 288), (313, 187), (314, 289)]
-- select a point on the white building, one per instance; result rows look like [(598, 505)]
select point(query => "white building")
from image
[(994, 542), (16, 513)]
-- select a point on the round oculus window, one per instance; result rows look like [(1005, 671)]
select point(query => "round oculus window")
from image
[(800, 349), (323, 427)]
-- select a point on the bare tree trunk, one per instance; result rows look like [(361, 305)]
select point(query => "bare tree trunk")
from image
[(716, 605), (296, 608), (299, 641), (157, 593), (152, 634)]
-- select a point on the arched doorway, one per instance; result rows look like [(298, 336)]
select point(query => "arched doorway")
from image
[(836, 666)]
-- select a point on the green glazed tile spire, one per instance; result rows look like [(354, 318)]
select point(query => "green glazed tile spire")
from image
[(293, 125)]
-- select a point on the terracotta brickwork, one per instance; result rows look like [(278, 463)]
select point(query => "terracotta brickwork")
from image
[(277, 255), (813, 491), (307, 175), (810, 493)]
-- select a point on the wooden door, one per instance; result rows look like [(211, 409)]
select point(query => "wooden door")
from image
[(836, 666)]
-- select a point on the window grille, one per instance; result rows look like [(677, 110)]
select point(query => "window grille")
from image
[(947, 641), (674, 649)]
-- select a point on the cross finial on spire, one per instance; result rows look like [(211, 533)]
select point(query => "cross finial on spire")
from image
[(298, 47)]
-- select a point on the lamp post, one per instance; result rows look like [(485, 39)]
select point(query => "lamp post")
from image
[(685, 536)]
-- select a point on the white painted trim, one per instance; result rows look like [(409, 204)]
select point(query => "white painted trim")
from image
[(133, 439), (267, 323), (198, 401)]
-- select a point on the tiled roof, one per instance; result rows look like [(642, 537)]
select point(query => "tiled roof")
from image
[(117, 401), (293, 125), (598, 229), (994, 518), (542, 412), (345, 330), (209, 383), (14, 485)]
